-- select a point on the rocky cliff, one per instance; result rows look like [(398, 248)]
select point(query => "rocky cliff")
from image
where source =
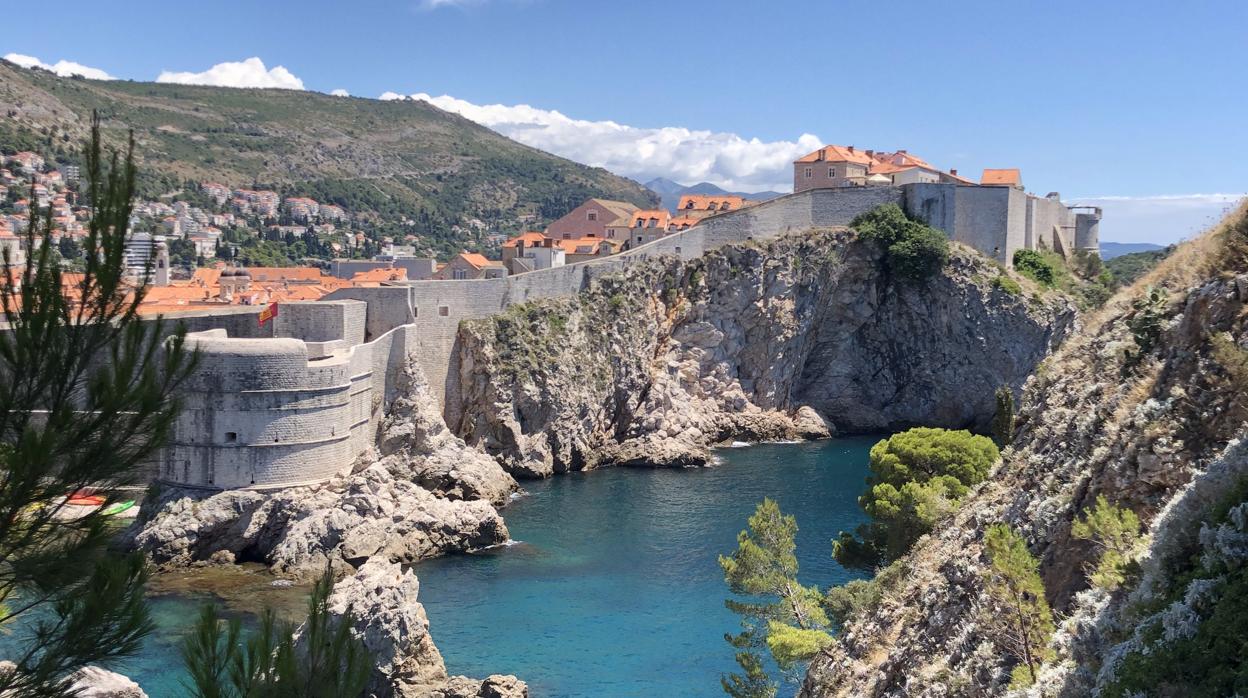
[(1149, 422), (801, 335), (421, 493)]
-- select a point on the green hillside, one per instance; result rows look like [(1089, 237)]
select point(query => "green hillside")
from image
[(389, 159)]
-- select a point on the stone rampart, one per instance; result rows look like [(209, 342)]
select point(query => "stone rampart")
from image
[(263, 413), (297, 400)]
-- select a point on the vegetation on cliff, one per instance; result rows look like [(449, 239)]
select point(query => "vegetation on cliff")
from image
[(1013, 583), (913, 249), (1125, 483), (87, 395), (917, 478)]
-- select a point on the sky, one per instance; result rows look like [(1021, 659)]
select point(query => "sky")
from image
[(1136, 106)]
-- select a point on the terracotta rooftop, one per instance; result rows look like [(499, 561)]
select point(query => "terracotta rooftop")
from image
[(530, 238), (710, 202), (1003, 176), (837, 153), (478, 260)]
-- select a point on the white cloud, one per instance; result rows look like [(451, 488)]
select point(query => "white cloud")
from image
[(249, 73), (62, 67), (1160, 219), (340, 93), (678, 153), (438, 4)]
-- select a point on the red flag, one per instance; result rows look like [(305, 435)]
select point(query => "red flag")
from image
[(268, 313)]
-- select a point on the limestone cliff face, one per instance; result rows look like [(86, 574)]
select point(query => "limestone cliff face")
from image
[(1150, 434), (789, 339)]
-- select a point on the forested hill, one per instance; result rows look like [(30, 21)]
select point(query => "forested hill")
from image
[(370, 156)]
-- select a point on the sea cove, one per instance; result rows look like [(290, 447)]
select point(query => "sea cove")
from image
[(611, 587)]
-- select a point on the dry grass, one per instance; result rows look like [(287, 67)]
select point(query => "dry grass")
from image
[(1195, 261)]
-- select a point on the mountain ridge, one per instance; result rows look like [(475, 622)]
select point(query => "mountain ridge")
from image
[(670, 191), (377, 158)]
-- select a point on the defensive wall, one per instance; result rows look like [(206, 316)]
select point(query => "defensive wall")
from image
[(294, 408), (295, 401)]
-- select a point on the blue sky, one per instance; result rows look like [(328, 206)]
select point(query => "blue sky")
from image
[(1142, 101)]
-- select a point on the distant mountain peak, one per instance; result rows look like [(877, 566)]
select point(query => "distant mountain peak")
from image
[(671, 191)]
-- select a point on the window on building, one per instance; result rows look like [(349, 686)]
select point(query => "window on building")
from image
[(592, 215), (810, 172), (831, 172), (231, 437), (639, 239), (444, 311), (677, 250), (689, 205)]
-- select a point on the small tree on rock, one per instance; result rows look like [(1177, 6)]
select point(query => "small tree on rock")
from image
[(786, 617), (1020, 619), (1115, 531), (1003, 418), (917, 478)]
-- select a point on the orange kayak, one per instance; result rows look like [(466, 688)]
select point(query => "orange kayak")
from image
[(84, 500)]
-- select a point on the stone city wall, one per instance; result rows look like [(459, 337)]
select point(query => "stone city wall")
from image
[(297, 400), (275, 412)]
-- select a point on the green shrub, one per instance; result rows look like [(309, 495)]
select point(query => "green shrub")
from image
[(1036, 267), (1007, 284), (917, 478), (1115, 531), (914, 251), (1146, 324)]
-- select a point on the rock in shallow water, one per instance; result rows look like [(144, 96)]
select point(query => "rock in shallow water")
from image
[(381, 598), (300, 530), (94, 682)]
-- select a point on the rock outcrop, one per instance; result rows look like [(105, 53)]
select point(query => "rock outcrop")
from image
[(796, 338), (381, 598), (1146, 426), (425, 494), (94, 682)]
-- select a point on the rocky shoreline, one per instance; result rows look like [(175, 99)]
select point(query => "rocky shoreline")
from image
[(651, 367)]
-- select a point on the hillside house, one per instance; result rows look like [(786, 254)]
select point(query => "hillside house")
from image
[(470, 265), (589, 219)]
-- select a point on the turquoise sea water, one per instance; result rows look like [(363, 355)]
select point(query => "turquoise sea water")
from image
[(612, 587)]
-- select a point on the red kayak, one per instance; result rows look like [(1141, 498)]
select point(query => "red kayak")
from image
[(84, 500)]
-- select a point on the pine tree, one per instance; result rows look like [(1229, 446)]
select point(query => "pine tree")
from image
[(785, 616), (320, 660), (1020, 620), (1003, 419), (87, 394), (1115, 532)]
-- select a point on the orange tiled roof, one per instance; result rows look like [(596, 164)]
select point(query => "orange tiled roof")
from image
[(837, 153), (709, 202), (1009, 176), (642, 219), (528, 239), (478, 260), (381, 274)]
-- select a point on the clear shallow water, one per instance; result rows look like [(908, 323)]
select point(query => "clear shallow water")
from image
[(613, 589)]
